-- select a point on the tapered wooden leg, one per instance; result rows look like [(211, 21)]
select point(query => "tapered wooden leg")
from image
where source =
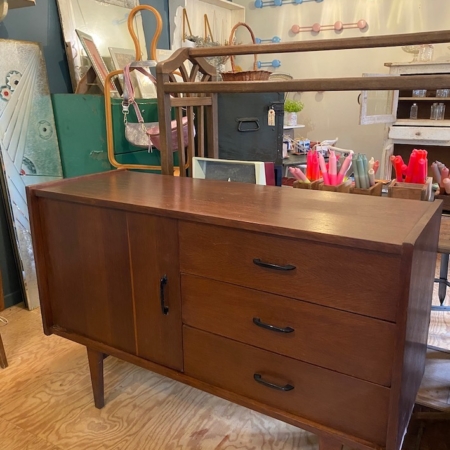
[(329, 444), (96, 368), (3, 360)]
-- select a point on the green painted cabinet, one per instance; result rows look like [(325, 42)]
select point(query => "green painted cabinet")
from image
[(81, 127)]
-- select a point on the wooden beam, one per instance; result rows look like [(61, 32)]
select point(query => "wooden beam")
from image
[(364, 42), (318, 84), (190, 101)]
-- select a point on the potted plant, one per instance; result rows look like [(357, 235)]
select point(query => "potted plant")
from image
[(291, 108)]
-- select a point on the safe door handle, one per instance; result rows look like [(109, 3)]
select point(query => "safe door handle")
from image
[(259, 379), (267, 265), (162, 285), (257, 321), (248, 120)]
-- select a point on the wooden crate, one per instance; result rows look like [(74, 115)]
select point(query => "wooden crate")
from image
[(340, 188), (375, 190), (410, 191), (301, 185)]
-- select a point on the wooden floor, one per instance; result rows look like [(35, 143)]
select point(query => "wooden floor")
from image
[(46, 401)]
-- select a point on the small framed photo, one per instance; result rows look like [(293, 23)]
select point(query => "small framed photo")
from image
[(95, 58), (144, 88), (121, 57)]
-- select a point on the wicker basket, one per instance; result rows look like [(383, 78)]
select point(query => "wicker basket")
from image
[(250, 75)]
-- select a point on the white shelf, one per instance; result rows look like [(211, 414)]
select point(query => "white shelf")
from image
[(12, 4), (224, 4), (421, 99), (292, 127), (423, 122)]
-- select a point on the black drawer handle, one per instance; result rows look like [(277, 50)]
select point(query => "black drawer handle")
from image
[(248, 120), (258, 378), (260, 263), (258, 322), (162, 284)]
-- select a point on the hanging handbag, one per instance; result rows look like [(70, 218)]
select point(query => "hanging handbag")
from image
[(141, 134)]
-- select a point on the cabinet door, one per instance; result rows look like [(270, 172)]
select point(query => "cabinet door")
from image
[(378, 106), (156, 287), (89, 281)]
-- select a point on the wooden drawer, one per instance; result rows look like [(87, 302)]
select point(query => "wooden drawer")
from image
[(333, 276), (420, 133), (338, 340), (320, 395)]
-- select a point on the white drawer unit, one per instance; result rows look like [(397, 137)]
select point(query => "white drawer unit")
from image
[(411, 133)]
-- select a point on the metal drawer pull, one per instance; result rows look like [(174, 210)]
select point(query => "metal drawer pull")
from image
[(257, 321), (162, 284), (258, 378), (258, 262), (248, 120)]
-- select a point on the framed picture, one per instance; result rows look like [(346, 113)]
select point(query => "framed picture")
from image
[(106, 19), (95, 58), (121, 57), (144, 88)]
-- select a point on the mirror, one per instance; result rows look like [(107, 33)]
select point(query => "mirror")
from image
[(106, 22)]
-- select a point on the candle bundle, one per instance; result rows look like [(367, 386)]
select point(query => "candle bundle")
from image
[(441, 175), (416, 170), (334, 175), (312, 168), (364, 171)]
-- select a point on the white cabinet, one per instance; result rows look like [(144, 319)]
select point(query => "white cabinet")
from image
[(402, 133)]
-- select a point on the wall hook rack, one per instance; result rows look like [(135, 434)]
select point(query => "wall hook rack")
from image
[(337, 26), (275, 63), (263, 3), (274, 40)]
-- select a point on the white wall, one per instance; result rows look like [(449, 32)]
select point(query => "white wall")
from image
[(334, 114)]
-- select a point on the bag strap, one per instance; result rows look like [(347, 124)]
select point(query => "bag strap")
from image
[(128, 92)]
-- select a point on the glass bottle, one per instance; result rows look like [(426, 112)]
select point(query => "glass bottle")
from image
[(433, 115), (413, 112), (441, 111)]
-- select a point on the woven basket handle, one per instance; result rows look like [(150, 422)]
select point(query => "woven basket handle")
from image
[(233, 30)]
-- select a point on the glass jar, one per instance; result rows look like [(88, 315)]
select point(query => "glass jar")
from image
[(442, 92), (426, 53), (419, 93)]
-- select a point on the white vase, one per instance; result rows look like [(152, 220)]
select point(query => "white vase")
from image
[(291, 119)]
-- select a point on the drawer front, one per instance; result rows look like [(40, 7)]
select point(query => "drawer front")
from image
[(328, 398), (349, 279), (420, 133), (348, 343)]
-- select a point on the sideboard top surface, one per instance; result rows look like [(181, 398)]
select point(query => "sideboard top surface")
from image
[(380, 224)]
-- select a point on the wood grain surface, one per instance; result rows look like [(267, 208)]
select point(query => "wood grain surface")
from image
[(359, 221), (323, 274), (309, 391), (322, 336)]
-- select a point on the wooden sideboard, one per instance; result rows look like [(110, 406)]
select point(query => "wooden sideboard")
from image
[(311, 307)]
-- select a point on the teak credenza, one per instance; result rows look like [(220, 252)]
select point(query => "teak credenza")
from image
[(311, 307)]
